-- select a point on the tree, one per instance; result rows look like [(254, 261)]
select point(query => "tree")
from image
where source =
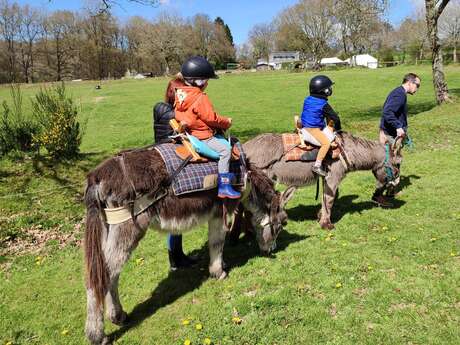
[(105, 5), (164, 40), (289, 36), (315, 21), (10, 20), (434, 9), (101, 30), (60, 27), (412, 38), (203, 34), (226, 28), (358, 21), (449, 27), (261, 38), (245, 56), (29, 30), (133, 32)]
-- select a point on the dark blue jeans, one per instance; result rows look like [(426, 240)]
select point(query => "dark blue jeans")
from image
[(174, 243)]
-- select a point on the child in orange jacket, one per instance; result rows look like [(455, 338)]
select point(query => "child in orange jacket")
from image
[(194, 109)]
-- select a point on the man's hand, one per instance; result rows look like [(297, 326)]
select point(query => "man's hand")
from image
[(400, 132), (382, 137)]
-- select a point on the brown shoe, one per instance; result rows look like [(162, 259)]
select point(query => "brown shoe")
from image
[(318, 170), (393, 194), (381, 201)]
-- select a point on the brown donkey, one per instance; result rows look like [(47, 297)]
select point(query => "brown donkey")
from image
[(266, 152), (116, 183)]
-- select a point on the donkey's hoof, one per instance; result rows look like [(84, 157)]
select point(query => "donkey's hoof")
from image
[(120, 320), (106, 341), (327, 226), (218, 274), (223, 275)]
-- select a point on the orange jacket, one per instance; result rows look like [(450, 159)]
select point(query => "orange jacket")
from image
[(195, 109)]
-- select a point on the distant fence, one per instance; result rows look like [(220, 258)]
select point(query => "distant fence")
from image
[(232, 66), (388, 63), (423, 62)]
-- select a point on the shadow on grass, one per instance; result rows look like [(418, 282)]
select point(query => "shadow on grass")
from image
[(181, 282), (56, 169), (406, 181), (6, 174), (455, 92), (374, 113), (342, 206)]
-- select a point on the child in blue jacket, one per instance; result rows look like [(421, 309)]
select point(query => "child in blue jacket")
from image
[(315, 110)]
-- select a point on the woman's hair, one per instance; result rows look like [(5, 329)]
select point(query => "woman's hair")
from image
[(177, 81)]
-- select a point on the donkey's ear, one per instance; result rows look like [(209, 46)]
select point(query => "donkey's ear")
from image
[(287, 195)]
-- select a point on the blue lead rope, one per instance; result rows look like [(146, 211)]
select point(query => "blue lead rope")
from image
[(408, 142), (388, 169)]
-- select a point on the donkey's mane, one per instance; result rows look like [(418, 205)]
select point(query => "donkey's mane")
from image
[(264, 187), (363, 153), (357, 141)]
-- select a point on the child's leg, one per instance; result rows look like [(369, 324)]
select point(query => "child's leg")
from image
[(225, 189), (325, 143), (224, 152)]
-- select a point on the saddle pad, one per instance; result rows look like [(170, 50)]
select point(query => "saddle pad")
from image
[(292, 151), (195, 176)]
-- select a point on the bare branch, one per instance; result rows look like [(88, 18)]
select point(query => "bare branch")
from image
[(442, 5)]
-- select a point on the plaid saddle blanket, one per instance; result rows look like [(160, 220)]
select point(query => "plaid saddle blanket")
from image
[(195, 176), (292, 151)]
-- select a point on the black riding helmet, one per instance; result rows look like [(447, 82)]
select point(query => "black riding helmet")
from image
[(198, 67), (321, 85)]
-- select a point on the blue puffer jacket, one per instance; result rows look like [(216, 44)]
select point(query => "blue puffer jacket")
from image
[(312, 113)]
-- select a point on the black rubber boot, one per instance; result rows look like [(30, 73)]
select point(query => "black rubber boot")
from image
[(180, 260)]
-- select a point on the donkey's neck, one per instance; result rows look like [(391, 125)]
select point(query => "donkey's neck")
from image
[(363, 154)]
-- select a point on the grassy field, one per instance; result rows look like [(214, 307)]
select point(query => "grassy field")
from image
[(381, 277)]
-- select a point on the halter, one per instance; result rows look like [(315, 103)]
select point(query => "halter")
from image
[(276, 198)]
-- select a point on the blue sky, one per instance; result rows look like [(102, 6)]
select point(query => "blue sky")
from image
[(240, 15)]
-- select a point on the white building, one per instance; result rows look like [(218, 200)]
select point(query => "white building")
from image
[(333, 61), (365, 60), (276, 59)]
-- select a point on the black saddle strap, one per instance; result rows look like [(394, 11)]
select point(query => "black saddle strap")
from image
[(179, 169), (317, 188)]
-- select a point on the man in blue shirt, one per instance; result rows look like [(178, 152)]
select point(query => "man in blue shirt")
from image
[(393, 123)]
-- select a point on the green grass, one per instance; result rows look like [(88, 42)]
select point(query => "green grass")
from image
[(382, 277)]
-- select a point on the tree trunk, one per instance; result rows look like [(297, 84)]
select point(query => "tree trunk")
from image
[(454, 53), (344, 42), (58, 61), (439, 82)]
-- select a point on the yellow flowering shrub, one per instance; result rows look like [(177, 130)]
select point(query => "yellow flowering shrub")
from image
[(60, 133)]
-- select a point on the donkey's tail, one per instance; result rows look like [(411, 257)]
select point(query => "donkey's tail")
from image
[(97, 275)]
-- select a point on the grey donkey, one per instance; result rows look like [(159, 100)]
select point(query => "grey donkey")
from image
[(266, 152), (107, 247)]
